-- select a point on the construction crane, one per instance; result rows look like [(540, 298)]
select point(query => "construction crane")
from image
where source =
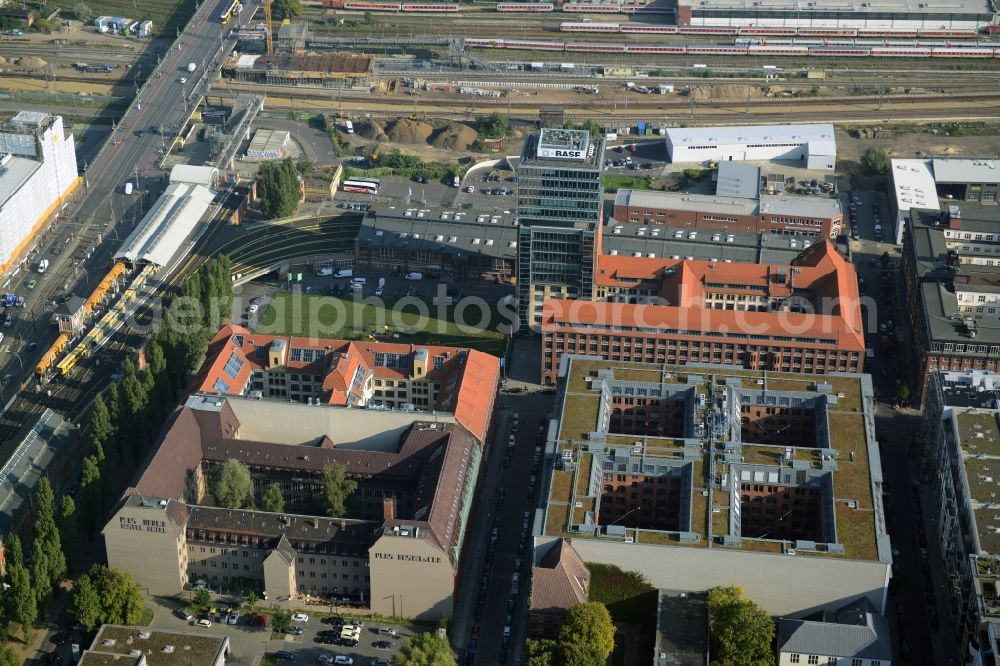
[(267, 27)]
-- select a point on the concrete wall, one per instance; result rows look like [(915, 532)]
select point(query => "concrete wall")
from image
[(279, 576), (782, 584), (411, 577), (144, 542)]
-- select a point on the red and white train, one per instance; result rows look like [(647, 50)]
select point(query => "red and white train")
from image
[(410, 7), (916, 50), (722, 31), (525, 7)]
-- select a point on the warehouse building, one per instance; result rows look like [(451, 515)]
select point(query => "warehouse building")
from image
[(939, 183), (740, 204), (811, 146), (699, 475), (650, 241), (268, 144), (559, 209), (455, 245), (961, 435), (397, 550), (801, 317), (38, 174), (845, 14)]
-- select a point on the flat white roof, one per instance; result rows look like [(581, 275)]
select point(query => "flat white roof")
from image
[(966, 170), (171, 220), (751, 134), (914, 185), (14, 173), (194, 175)]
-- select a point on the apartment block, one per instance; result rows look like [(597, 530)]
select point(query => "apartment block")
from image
[(961, 435), (801, 317), (951, 282)]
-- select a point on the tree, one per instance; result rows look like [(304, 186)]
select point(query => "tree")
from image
[(741, 632), (49, 564), (903, 394), (885, 260), (542, 652), (281, 619), (8, 657), (67, 527), (875, 161), (278, 189), (425, 649), (274, 501), (118, 598), (21, 604), (493, 126), (580, 654), (234, 486), (588, 625), (336, 489), (99, 425), (92, 490), (202, 599), (252, 600), (82, 12), (113, 404), (287, 9), (85, 603)]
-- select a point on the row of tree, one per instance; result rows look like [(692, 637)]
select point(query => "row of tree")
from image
[(233, 489), (125, 421)]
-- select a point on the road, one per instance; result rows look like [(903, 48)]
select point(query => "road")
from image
[(99, 215)]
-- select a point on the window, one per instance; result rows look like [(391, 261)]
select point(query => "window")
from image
[(221, 386), (856, 662), (794, 658), (814, 659), (233, 365)]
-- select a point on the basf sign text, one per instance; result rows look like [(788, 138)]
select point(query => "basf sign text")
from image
[(561, 153)]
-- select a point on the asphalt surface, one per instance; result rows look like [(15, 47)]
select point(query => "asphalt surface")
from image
[(99, 212), (917, 591)]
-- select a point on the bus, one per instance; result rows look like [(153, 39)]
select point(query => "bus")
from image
[(361, 185), (229, 9)]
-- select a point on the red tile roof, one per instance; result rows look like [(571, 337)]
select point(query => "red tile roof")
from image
[(470, 398)]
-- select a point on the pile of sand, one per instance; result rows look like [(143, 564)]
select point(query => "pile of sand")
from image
[(724, 92), (406, 131), (370, 129), (31, 62), (3, 61), (454, 136)]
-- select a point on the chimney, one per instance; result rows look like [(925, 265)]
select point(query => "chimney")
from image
[(388, 508)]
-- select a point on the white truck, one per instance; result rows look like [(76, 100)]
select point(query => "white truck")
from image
[(349, 127), (192, 66), (128, 187), (43, 265)]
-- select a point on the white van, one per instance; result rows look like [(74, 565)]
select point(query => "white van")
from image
[(325, 271), (128, 188), (358, 280), (414, 276), (381, 282), (344, 273)]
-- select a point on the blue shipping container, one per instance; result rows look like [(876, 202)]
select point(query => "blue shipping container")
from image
[(642, 128)]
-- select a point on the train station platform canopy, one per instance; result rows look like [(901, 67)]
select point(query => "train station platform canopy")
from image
[(194, 175), (172, 218)]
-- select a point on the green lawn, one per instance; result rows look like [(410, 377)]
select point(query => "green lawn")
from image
[(615, 183), (319, 316)]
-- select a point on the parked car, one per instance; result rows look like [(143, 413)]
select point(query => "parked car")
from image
[(285, 654), (204, 623), (382, 645), (184, 614)]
